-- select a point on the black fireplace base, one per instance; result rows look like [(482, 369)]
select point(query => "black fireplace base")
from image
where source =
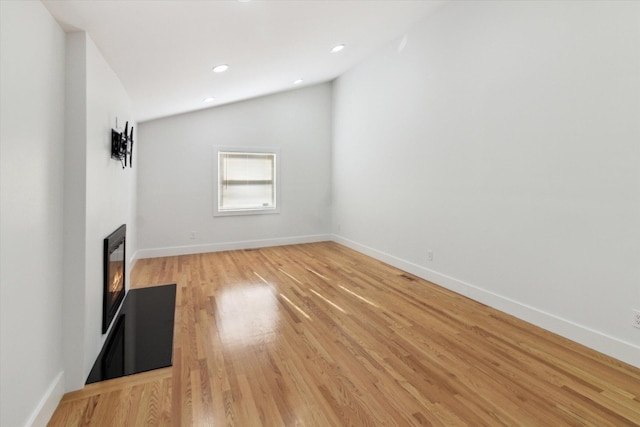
[(142, 335)]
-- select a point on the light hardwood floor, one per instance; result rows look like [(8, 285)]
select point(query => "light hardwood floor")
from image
[(320, 335)]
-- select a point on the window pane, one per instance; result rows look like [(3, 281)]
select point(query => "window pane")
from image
[(247, 196), (249, 167), (246, 181)]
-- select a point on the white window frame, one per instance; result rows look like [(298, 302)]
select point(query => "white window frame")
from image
[(216, 181)]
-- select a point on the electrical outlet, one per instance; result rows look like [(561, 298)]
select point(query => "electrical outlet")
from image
[(636, 318), (193, 235), (430, 255)]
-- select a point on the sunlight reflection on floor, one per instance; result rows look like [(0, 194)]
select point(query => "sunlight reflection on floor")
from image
[(247, 314)]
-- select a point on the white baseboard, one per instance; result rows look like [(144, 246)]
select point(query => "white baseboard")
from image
[(48, 404), (228, 246), (621, 350), (133, 260)]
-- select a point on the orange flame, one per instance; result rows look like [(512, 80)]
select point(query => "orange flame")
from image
[(117, 279)]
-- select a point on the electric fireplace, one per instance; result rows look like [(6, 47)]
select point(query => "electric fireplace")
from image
[(114, 268)]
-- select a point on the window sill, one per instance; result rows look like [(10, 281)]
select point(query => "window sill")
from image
[(240, 212)]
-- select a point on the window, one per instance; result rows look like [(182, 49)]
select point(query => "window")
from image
[(246, 182)]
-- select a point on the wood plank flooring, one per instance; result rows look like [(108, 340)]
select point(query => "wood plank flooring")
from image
[(320, 335)]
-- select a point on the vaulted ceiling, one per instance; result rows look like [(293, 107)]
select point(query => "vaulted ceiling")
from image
[(164, 51)]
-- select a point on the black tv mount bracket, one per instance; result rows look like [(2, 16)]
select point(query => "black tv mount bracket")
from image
[(122, 145)]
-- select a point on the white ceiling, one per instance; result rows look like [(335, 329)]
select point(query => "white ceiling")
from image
[(164, 51)]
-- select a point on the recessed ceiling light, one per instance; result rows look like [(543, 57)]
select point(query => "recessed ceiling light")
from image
[(297, 82), (209, 99), (337, 48), (220, 68)]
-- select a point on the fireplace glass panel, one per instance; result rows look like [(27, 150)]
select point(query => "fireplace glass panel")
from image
[(114, 275)]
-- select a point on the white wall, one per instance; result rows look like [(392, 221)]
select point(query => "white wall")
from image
[(99, 198), (75, 202), (504, 137), (32, 47), (109, 187), (176, 160)]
